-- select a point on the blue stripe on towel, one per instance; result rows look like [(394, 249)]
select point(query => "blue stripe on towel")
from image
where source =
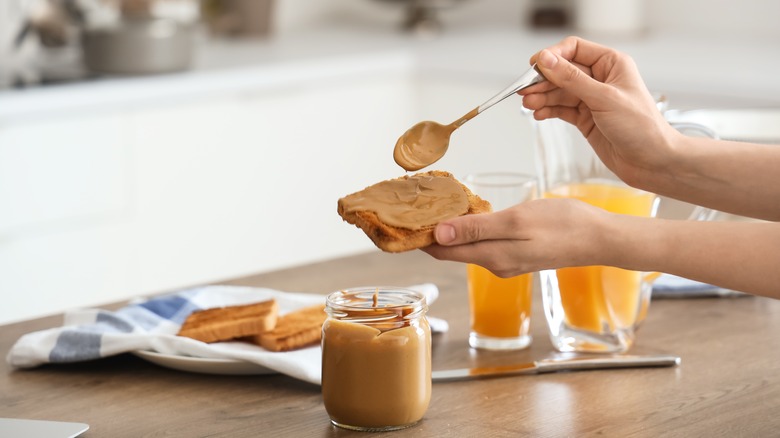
[(76, 345), (173, 307), (167, 307), (110, 322), (141, 316)]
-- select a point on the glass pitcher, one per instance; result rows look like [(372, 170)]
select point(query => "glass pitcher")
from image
[(597, 308)]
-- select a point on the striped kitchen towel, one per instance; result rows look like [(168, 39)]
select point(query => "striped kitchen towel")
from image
[(152, 324)]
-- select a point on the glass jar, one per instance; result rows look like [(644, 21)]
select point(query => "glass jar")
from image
[(376, 358)]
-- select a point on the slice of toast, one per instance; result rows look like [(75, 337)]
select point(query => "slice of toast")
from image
[(297, 329), (225, 323), (395, 239)]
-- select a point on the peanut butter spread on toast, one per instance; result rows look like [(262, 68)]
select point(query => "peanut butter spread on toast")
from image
[(412, 202)]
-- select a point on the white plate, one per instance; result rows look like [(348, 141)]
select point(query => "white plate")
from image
[(203, 365)]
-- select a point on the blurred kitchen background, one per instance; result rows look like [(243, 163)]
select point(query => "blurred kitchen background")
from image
[(152, 145)]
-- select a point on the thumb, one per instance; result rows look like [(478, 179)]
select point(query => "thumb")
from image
[(569, 77), (464, 229)]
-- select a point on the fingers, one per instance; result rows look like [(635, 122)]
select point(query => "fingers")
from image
[(474, 228), (567, 114), (469, 253), (493, 255), (547, 87), (551, 98), (553, 101), (567, 76), (581, 68), (576, 50), (555, 104)]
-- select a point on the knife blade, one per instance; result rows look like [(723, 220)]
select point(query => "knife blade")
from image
[(551, 365)]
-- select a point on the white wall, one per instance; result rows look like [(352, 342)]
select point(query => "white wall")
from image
[(737, 17), (747, 17)]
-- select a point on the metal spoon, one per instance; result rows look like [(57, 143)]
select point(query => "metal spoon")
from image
[(426, 142)]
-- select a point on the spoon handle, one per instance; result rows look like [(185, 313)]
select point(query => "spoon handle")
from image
[(532, 76)]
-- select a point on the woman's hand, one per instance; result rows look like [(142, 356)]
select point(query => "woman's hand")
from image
[(535, 235), (600, 91), (558, 233)]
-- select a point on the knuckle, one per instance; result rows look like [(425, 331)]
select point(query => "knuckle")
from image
[(622, 57), (572, 74), (572, 40), (472, 232), (515, 220)]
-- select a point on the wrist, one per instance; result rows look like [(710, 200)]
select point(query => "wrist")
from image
[(631, 242), (659, 167)]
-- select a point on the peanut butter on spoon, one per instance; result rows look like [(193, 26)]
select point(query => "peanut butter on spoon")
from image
[(426, 142)]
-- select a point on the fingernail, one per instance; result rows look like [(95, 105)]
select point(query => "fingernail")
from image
[(547, 59), (445, 233)]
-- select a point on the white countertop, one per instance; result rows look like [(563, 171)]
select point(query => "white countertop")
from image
[(708, 70)]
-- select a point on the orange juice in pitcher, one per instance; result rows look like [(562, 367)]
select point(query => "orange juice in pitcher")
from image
[(591, 308), (598, 297)]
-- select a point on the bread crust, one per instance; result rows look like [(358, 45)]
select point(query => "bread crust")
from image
[(225, 323), (297, 329), (395, 239)]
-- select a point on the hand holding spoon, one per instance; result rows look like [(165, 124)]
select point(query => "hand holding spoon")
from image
[(426, 142)]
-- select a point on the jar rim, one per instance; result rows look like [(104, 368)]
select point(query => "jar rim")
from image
[(390, 298)]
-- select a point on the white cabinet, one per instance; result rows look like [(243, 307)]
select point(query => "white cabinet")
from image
[(65, 206), (101, 206), (59, 171), (249, 182)]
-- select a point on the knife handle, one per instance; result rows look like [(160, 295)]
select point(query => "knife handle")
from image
[(595, 363)]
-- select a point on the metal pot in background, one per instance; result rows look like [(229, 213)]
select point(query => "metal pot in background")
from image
[(422, 16), (148, 36), (139, 45)]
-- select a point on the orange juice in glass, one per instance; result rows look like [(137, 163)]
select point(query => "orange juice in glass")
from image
[(500, 308)]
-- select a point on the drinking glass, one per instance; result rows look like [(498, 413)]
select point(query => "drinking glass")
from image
[(500, 308)]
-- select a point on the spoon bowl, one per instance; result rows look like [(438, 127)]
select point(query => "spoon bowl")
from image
[(422, 144), (426, 142)]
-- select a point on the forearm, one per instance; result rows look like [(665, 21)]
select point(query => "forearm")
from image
[(742, 256), (733, 177)]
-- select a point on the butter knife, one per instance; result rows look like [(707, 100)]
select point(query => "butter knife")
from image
[(557, 364)]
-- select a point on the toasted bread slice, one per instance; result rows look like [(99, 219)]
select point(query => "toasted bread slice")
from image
[(294, 330), (224, 323), (395, 239)]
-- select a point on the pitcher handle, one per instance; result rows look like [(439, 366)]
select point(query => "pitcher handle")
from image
[(706, 130)]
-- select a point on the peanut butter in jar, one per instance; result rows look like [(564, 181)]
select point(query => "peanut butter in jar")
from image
[(376, 358)]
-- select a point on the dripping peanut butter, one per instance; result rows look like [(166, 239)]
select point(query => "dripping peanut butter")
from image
[(376, 359), (413, 202)]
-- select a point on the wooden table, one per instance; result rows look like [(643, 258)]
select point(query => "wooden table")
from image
[(728, 383)]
